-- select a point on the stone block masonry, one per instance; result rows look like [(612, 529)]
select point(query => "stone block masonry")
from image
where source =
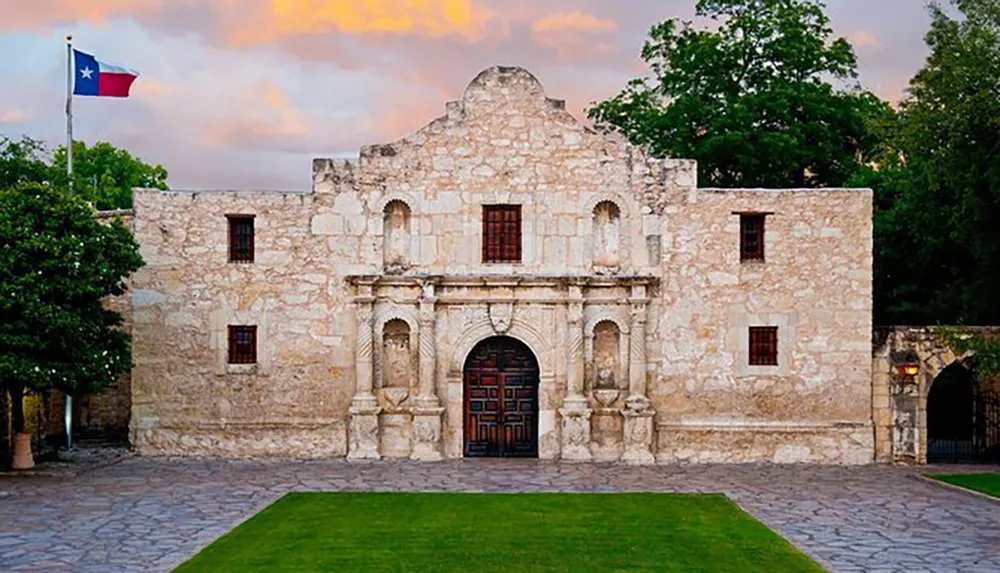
[(622, 281)]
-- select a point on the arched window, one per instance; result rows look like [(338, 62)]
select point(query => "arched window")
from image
[(396, 237), (607, 229)]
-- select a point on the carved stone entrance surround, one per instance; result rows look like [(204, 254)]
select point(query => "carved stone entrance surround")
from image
[(554, 316)]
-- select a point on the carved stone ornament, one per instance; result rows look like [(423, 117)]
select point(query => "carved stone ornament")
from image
[(501, 316)]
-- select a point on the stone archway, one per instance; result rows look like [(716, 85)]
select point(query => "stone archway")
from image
[(500, 410), (951, 416)]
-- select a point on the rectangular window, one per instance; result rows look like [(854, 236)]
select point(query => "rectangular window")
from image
[(763, 346), (501, 233), (240, 238), (242, 344), (752, 237)]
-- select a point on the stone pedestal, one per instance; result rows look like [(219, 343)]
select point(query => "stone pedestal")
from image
[(638, 431), (575, 416), (427, 432), (362, 438)]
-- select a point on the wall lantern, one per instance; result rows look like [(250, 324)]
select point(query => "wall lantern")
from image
[(906, 363)]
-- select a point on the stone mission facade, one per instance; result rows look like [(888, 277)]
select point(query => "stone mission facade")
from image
[(505, 281)]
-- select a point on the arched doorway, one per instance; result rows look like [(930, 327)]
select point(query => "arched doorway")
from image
[(500, 413), (951, 417)]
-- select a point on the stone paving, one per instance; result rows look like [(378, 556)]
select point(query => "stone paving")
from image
[(150, 514)]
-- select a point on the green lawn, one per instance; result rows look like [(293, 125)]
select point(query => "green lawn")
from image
[(988, 483), (444, 532)]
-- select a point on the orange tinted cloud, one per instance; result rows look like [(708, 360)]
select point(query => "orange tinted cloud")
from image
[(573, 21), (267, 116), (429, 18), (30, 15), (571, 34)]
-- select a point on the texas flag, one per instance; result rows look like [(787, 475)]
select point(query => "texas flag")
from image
[(96, 78)]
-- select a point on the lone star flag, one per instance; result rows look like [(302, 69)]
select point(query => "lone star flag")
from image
[(96, 78)]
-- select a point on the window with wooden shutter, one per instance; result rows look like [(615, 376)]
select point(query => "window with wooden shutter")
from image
[(752, 236), (241, 238), (501, 233), (763, 346), (242, 344)]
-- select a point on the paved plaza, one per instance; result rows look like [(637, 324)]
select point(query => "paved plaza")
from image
[(150, 514)]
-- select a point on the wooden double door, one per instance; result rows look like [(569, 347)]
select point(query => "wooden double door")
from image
[(501, 400)]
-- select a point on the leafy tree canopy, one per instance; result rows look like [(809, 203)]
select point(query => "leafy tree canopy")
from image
[(57, 265), (103, 174), (937, 252), (751, 100)]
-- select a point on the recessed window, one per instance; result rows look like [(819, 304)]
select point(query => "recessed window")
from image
[(752, 236), (763, 346), (240, 238), (501, 233), (242, 344)]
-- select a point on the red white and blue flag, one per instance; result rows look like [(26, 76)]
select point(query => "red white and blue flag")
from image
[(96, 78)]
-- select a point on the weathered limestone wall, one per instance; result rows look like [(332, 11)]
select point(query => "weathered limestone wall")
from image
[(629, 286), (186, 398), (815, 286)]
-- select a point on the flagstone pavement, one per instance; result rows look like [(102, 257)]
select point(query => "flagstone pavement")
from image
[(151, 514)]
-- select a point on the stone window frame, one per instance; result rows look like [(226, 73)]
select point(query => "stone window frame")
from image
[(529, 225), (508, 232), (739, 336), (759, 256), (222, 319), (232, 221)]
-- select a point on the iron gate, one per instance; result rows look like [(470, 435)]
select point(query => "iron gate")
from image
[(962, 432)]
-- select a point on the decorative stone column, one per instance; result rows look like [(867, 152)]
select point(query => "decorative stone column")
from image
[(427, 411), (638, 413), (363, 426), (905, 422), (575, 412)]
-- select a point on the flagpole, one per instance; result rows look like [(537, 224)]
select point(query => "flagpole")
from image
[(68, 400), (69, 109)]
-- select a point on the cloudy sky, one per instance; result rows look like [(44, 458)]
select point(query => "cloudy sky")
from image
[(244, 93)]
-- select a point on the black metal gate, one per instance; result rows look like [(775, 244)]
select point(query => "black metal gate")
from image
[(963, 422)]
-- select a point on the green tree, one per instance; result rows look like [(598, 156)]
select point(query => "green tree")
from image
[(751, 100), (22, 162), (937, 186), (57, 265), (105, 175)]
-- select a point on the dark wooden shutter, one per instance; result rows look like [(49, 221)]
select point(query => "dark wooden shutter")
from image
[(752, 237), (501, 233), (241, 239), (242, 344), (763, 345)]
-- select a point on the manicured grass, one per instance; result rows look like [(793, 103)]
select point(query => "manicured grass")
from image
[(445, 532), (988, 483)]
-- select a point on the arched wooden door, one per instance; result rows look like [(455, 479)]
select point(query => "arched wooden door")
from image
[(501, 400)]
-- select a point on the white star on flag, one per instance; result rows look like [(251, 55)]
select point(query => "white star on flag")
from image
[(86, 73)]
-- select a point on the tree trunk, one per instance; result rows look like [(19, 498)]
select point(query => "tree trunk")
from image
[(17, 406)]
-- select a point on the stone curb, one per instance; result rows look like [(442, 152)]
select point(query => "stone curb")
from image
[(954, 487)]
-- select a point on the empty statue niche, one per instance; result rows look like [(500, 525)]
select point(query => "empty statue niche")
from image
[(607, 344), (607, 236), (606, 422), (397, 356), (396, 237)]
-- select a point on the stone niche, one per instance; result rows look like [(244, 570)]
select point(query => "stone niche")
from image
[(607, 237), (397, 365), (607, 383), (396, 237)]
